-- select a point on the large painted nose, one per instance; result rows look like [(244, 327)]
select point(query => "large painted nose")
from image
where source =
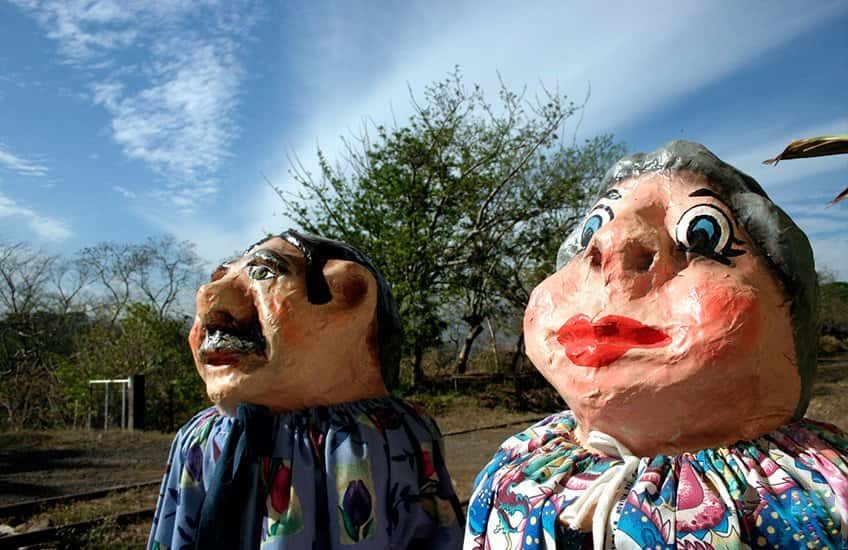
[(634, 252), (227, 300)]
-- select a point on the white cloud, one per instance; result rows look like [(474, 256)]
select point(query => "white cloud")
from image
[(181, 125), (89, 31), (173, 107), (125, 192), (45, 227), (20, 165)]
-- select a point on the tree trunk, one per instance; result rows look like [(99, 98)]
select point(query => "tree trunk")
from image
[(517, 354), (462, 358), (513, 369), (417, 370)]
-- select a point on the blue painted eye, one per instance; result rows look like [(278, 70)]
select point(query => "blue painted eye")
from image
[(704, 229), (600, 215)]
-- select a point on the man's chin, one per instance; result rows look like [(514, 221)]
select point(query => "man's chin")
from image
[(238, 387), (226, 405)]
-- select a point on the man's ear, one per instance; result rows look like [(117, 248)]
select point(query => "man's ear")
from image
[(352, 286)]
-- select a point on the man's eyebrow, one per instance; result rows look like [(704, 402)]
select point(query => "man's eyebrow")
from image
[(278, 261), (221, 270)]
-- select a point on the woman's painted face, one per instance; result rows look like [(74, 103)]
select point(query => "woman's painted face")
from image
[(668, 329)]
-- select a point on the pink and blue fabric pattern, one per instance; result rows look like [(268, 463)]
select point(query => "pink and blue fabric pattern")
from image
[(787, 489), (363, 475)]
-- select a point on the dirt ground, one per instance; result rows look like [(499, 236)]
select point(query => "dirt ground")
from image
[(43, 464), (37, 465)]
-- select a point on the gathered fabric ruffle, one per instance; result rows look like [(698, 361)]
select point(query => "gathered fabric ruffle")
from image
[(366, 474), (542, 489)]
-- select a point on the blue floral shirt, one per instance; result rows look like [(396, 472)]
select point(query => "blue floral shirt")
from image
[(367, 474)]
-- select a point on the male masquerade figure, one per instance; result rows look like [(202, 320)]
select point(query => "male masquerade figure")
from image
[(296, 341), (680, 328)]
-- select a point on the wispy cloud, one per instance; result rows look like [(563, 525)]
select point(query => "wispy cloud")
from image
[(168, 73), (45, 227), (125, 192), (19, 164)]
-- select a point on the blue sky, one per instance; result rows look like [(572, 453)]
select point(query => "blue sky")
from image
[(121, 120)]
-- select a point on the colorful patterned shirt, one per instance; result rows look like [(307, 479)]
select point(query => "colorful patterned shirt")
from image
[(787, 489), (361, 475)]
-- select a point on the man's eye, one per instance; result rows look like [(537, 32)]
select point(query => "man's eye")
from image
[(600, 215), (705, 230), (260, 273)]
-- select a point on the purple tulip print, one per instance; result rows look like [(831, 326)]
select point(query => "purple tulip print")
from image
[(356, 509), (194, 462)]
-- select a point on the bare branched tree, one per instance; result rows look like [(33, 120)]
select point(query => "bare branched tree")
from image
[(166, 270), (24, 277), (111, 266)]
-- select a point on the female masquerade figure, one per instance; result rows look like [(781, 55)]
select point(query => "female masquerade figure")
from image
[(680, 328), (296, 341)]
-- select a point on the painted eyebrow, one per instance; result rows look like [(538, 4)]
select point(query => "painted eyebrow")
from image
[(607, 208), (705, 192), (277, 261), (219, 271)]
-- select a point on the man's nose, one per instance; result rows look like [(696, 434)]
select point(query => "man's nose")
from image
[(229, 296), (635, 254)]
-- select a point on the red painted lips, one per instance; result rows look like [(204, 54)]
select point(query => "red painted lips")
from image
[(599, 343)]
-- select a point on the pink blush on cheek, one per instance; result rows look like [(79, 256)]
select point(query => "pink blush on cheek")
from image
[(727, 316)]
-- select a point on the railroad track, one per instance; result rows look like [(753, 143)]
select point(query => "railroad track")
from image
[(20, 512)]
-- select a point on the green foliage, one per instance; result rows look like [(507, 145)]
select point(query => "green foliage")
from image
[(141, 343), (32, 344), (833, 308), (459, 203)]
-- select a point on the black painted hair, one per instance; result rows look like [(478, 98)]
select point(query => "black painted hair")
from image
[(775, 237), (316, 252)]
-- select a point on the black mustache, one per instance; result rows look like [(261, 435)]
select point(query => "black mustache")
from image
[(224, 333)]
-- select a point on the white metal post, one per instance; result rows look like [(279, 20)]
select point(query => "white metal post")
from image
[(125, 384), (123, 406), (106, 412)]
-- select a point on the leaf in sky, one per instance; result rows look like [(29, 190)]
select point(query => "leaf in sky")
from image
[(815, 147)]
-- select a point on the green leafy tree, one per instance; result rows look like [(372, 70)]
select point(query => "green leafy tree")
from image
[(442, 203)]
